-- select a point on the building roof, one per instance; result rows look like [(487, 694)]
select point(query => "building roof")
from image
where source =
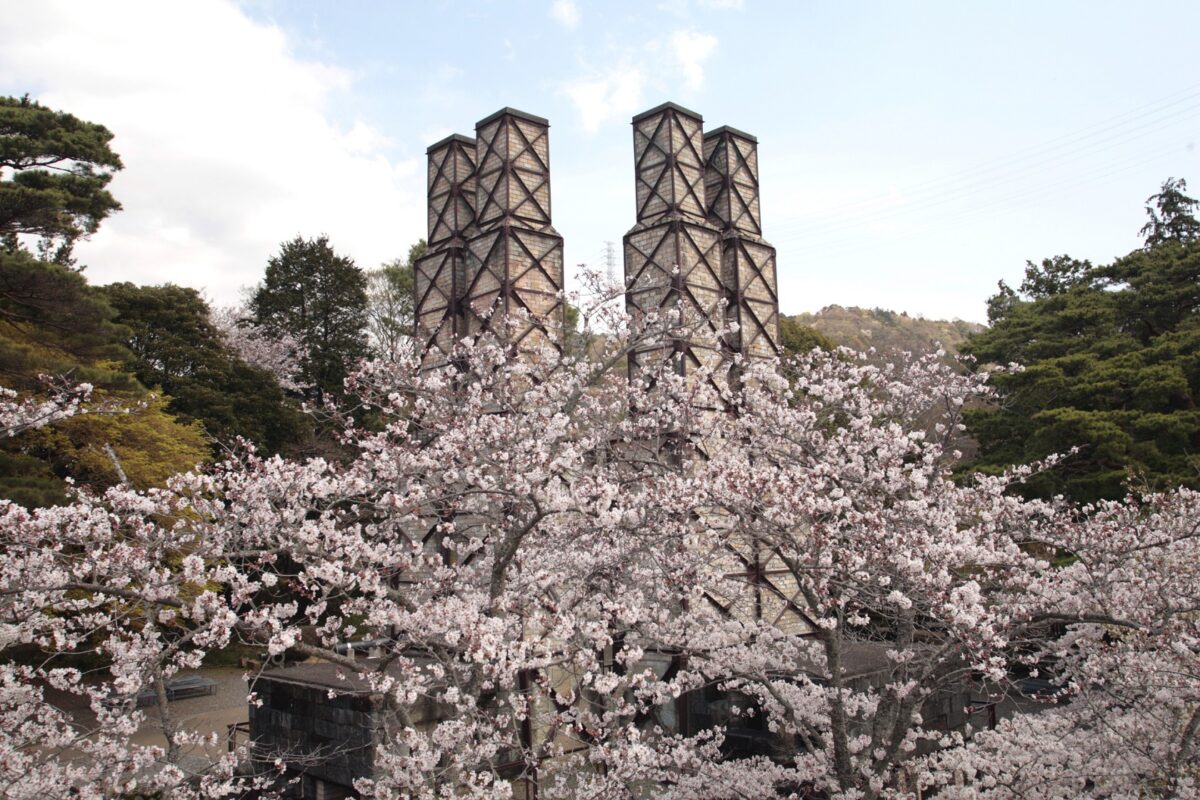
[(324, 674), (454, 137), (732, 130), (514, 113), (663, 107)]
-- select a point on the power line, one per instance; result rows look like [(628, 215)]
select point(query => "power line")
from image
[(963, 194), (938, 190), (995, 207)]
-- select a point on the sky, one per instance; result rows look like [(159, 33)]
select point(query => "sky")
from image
[(911, 154)]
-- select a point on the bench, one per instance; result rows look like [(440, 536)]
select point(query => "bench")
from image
[(179, 689)]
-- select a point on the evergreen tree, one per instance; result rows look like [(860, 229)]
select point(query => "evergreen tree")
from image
[(319, 297), (1112, 365), (54, 170), (796, 338), (53, 324), (175, 346), (1172, 215), (57, 170)]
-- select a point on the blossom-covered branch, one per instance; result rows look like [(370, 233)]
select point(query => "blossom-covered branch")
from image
[(278, 355), (606, 585), (21, 413)]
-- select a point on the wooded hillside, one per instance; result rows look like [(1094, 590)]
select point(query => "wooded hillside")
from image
[(887, 331)]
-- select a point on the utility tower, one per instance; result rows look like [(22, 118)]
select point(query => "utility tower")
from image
[(610, 262)]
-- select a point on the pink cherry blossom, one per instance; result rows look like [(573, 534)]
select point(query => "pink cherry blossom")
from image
[(603, 584)]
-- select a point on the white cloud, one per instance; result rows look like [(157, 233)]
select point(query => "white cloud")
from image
[(365, 139), (723, 5), (611, 95), (690, 50), (665, 65), (566, 13), (228, 143)]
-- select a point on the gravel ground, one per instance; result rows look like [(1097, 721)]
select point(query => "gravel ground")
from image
[(206, 714)]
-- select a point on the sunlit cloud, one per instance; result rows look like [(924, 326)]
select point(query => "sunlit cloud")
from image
[(565, 13), (225, 155)]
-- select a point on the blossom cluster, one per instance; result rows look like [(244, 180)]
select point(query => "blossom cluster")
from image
[(279, 354), (21, 413), (608, 584)]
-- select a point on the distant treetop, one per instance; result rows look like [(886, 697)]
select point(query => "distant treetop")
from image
[(1172, 215)]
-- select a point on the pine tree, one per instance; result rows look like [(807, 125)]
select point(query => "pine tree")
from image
[(319, 297), (58, 168), (1112, 366)]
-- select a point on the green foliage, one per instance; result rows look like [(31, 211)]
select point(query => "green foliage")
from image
[(175, 347), (52, 322), (150, 444), (390, 302), (1054, 276), (29, 481), (886, 331), (57, 169), (1112, 357), (1172, 215), (797, 338), (319, 297)]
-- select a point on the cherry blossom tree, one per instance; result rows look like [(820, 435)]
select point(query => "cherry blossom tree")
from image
[(279, 355), (565, 564), (21, 413)]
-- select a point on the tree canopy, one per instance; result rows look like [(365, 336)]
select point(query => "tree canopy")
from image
[(888, 332), (320, 298), (1172, 215), (54, 326), (59, 167), (584, 586), (390, 303), (177, 348), (1111, 357), (56, 330), (796, 338)]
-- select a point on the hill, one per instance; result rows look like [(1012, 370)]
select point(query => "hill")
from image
[(887, 331)]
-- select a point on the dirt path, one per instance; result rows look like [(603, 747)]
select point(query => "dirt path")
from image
[(206, 714)]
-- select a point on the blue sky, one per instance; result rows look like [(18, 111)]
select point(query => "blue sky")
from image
[(912, 154)]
